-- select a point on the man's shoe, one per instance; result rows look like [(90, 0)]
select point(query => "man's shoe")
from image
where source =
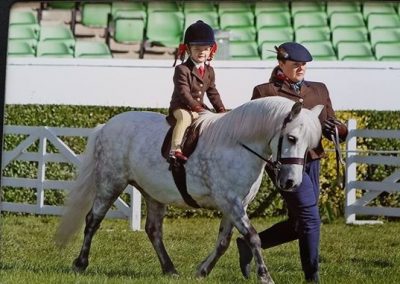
[(314, 278), (245, 257)]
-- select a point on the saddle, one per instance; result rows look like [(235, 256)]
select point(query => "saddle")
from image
[(189, 142), (177, 169)]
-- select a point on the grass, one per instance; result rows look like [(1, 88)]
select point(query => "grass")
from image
[(349, 254)]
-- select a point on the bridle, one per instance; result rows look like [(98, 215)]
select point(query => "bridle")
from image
[(273, 167)]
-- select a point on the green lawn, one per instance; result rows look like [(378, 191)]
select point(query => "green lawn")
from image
[(349, 254)]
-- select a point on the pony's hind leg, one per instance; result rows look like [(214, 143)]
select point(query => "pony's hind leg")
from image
[(154, 230), (223, 241), (101, 205)]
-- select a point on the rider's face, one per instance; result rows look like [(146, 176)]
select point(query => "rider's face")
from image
[(295, 71), (199, 53)]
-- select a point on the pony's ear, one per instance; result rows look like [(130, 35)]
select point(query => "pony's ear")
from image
[(295, 110), (317, 110)]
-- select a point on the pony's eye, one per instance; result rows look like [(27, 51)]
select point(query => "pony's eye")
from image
[(292, 139)]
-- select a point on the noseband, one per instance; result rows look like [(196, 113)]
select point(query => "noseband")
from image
[(273, 167)]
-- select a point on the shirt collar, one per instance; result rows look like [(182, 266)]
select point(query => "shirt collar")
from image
[(197, 65)]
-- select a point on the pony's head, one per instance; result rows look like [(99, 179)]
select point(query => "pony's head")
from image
[(300, 131)]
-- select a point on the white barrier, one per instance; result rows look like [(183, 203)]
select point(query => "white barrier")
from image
[(148, 83), (46, 136), (356, 200)]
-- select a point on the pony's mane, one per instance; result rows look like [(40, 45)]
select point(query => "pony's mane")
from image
[(256, 119)]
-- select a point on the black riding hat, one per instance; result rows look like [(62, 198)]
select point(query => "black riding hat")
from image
[(199, 33), (293, 51)]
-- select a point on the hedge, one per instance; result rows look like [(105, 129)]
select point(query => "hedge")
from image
[(268, 201)]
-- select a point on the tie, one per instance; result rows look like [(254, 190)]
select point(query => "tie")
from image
[(201, 71)]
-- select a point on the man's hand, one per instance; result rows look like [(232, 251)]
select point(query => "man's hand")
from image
[(328, 129)]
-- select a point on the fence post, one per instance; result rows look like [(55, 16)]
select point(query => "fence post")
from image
[(351, 174), (136, 212), (41, 175)]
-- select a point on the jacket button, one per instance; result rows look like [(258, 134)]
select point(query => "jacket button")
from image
[(201, 85), (198, 99), (199, 92)]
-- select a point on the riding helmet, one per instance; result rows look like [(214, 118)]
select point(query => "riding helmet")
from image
[(199, 33)]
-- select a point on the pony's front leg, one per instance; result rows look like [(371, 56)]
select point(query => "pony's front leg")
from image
[(153, 227), (242, 223), (223, 240)]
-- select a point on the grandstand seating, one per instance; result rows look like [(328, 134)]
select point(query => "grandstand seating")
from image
[(90, 49), (20, 49), (306, 34), (321, 50), (384, 36), (387, 51), (355, 51), (350, 34), (342, 6), (54, 49), (244, 50), (329, 28)]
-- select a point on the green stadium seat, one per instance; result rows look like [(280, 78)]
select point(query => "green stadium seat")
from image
[(267, 50), (162, 6), (321, 50), (224, 7), (23, 32), (23, 17), (91, 49), (387, 51), (20, 48), (127, 6), (383, 21), (273, 19), (261, 7), (66, 5), (95, 14), (309, 19), (350, 34), (355, 51), (164, 28), (274, 34), (54, 49), (377, 8), (209, 17), (243, 50), (349, 19), (322, 33), (301, 6), (385, 35), (242, 33), (340, 7), (129, 27), (57, 33), (198, 6), (236, 19)]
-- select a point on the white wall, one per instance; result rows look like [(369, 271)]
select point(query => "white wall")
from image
[(148, 83)]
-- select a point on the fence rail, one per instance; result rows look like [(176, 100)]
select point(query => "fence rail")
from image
[(51, 135), (359, 194)]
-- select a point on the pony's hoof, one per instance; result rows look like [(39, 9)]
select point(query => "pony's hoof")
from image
[(78, 266), (266, 279), (171, 272)]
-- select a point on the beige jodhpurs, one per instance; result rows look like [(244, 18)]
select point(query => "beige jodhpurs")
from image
[(183, 120)]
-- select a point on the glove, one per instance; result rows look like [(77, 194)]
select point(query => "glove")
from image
[(198, 108), (221, 109), (328, 129)]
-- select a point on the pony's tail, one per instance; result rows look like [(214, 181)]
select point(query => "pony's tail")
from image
[(81, 197)]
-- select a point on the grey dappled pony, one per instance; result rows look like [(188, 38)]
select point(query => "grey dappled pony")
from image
[(221, 174)]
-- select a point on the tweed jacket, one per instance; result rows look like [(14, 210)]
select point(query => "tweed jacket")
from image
[(312, 93), (190, 87)]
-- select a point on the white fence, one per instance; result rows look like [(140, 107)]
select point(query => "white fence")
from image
[(359, 193), (356, 200), (63, 154)]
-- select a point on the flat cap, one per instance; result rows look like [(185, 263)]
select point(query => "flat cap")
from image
[(293, 51)]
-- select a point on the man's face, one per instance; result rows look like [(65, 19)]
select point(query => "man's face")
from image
[(295, 71), (199, 53)]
